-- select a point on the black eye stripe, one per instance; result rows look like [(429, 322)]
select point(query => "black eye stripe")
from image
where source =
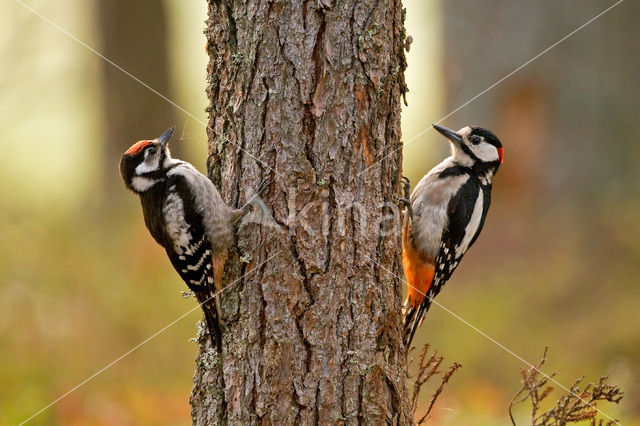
[(465, 148)]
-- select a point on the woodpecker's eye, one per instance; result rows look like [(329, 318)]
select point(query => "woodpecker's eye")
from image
[(476, 139), (151, 151)]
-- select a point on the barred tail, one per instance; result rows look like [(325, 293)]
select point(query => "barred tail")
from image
[(412, 317)]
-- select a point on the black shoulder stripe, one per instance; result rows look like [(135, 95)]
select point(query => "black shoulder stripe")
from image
[(480, 168), (456, 170)]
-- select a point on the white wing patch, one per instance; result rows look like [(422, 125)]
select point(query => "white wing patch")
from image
[(472, 227), (177, 228)]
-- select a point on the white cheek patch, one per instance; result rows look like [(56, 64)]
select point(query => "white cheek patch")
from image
[(149, 164), (141, 184), (485, 152)]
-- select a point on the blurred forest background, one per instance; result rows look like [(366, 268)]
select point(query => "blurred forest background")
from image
[(81, 281)]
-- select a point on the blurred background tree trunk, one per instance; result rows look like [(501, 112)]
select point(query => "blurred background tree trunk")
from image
[(535, 110), (134, 36), (307, 94)]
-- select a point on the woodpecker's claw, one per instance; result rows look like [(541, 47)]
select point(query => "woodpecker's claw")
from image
[(405, 201), (209, 168), (406, 187)]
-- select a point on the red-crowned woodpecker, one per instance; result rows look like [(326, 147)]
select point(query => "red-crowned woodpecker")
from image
[(186, 215)]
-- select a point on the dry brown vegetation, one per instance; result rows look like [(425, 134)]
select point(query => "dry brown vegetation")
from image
[(428, 369), (577, 405)]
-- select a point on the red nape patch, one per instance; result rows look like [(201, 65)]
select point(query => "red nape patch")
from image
[(500, 155), (137, 147)]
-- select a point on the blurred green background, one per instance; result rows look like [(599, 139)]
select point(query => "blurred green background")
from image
[(81, 281)]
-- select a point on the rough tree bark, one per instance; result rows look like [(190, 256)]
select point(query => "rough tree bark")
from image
[(307, 94)]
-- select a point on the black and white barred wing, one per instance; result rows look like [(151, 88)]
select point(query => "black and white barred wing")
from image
[(460, 212), (190, 253)]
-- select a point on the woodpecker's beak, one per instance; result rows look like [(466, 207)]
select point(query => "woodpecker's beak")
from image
[(166, 136), (449, 134)]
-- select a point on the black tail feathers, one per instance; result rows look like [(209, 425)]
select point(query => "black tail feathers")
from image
[(412, 317), (214, 330)]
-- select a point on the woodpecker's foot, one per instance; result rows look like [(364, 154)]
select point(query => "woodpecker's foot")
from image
[(209, 168), (406, 187), (405, 201)]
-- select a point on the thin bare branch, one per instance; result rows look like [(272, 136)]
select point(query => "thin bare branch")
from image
[(445, 378), (576, 406), (427, 369)]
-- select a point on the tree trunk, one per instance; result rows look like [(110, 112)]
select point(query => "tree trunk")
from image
[(307, 94)]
